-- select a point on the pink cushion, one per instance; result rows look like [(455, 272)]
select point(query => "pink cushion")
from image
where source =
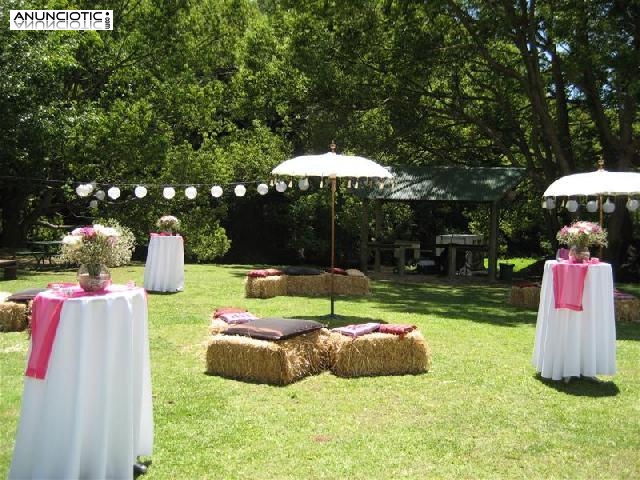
[(396, 329), (357, 330), (222, 310), (264, 272), (337, 271), (237, 318)]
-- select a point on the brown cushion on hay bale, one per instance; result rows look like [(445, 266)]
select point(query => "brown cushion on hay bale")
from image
[(25, 296), (274, 328), (265, 287), (305, 271), (14, 317), (627, 309), (379, 354), (264, 361)]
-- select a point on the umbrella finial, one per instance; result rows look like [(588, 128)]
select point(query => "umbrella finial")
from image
[(601, 163), (333, 146)]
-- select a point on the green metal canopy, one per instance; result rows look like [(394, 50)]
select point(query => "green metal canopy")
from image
[(449, 184), (486, 185)]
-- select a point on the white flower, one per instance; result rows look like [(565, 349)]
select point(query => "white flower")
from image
[(71, 239)]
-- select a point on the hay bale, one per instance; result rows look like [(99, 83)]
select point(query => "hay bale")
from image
[(265, 287), (525, 295), (350, 285), (278, 362), (627, 309), (14, 317), (308, 285), (378, 354), (217, 326)]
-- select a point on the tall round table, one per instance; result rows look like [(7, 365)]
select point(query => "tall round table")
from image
[(86, 406), (572, 343), (164, 268)]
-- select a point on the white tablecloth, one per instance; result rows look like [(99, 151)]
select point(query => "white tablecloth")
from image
[(570, 343), (92, 414), (164, 269)]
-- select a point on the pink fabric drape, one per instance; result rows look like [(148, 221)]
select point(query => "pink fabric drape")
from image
[(568, 284)]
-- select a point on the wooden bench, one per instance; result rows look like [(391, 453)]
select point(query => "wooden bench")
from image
[(10, 268), (38, 255)]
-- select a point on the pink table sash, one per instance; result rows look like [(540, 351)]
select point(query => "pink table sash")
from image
[(45, 317), (568, 284)]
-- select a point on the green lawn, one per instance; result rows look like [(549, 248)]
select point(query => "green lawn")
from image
[(480, 412)]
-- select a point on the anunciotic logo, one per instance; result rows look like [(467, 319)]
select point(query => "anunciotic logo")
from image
[(61, 20)]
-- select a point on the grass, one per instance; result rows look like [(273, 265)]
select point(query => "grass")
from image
[(480, 412)]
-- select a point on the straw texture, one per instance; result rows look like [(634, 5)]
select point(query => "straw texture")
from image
[(263, 361), (525, 296), (627, 309), (265, 287), (306, 285), (14, 317), (378, 354)]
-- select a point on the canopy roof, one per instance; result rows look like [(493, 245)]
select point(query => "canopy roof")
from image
[(451, 184)]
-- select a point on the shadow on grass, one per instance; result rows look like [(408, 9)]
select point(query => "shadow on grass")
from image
[(476, 303), (338, 320), (582, 387), (628, 331)]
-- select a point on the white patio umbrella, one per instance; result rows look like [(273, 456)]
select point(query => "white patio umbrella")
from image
[(596, 184), (331, 166), (600, 182)]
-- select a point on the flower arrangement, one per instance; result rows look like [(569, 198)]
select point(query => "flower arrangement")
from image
[(168, 223), (97, 245), (582, 235)]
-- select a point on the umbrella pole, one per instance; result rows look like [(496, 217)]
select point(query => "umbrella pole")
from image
[(333, 239)]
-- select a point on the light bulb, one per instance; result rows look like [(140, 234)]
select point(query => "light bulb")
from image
[(140, 191), (216, 191), (168, 193)]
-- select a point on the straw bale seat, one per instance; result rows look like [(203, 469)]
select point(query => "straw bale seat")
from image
[(14, 317), (627, 307), (378, 354), (274, 362), (265, 287), (306, 285), (525, 295)]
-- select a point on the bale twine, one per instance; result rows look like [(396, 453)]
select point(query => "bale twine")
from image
[(525, 296), (378, 354), (350, 285), (627, 309), (265, 287), (14, 317), (308, 285), (279, 362)]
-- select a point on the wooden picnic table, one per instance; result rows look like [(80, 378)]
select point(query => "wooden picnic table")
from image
[(41, 250)]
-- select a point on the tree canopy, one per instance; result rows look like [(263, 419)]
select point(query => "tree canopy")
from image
[(220, 91)]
